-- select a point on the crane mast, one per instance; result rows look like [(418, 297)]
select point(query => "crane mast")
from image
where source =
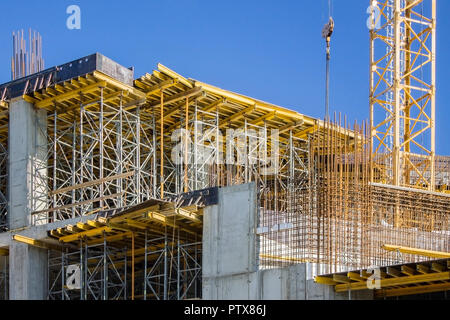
[(402, 92)]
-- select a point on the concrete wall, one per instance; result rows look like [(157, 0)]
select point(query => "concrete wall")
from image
[(290, 283), (229, 232), (230, 269)]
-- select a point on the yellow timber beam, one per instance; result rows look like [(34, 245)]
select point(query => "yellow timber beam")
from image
[(355, 276), (3, 104), (283, 258), (325, 280), (88, 233), (420, 252), (69, 95), (413, 290), (174, 75), (249, 101), (119, 84), (35, 243), (442, 276)]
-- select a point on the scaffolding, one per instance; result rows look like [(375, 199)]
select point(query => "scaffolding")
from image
[(107, 150), (95, 157), (149, 251)]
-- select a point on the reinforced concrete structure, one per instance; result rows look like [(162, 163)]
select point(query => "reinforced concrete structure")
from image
[(164, 187)]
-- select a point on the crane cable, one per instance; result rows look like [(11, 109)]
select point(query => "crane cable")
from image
[(326, 34)]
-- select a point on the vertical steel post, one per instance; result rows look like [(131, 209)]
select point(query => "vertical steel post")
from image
[(145, 266), (105, 269), (101, 147), (165, 264)]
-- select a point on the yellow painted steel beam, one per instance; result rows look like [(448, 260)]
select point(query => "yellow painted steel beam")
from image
[(441, 276), (69, 95), (88, 233), (413, 290), (420, 252)]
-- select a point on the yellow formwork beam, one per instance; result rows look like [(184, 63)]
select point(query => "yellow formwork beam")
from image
[(174, 75), (4, 252), (252, 102), (283, 258), (34, 242), (325, 280), (420, 252), (442, 276), (88, 233), (69, 95), (119, 84), (413, 290), (355, 276)]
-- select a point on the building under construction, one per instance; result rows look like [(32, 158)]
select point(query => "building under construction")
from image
[(165, 187)]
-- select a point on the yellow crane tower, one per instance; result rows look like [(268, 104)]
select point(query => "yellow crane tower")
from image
[(402, 92)]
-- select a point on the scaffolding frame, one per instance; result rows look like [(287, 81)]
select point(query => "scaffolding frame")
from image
[(175, 271), (98, 159), (99, 268)]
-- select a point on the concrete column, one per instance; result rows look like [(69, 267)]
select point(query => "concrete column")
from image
[(26, 153), (27, 272), (27, 192)]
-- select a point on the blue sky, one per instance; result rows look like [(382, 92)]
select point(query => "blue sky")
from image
[(271, 50)]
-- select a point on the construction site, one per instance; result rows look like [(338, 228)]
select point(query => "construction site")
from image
[(116, 186)]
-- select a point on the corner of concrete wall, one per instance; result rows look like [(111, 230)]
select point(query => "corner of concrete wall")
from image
[(229, 232), (229, 242)]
